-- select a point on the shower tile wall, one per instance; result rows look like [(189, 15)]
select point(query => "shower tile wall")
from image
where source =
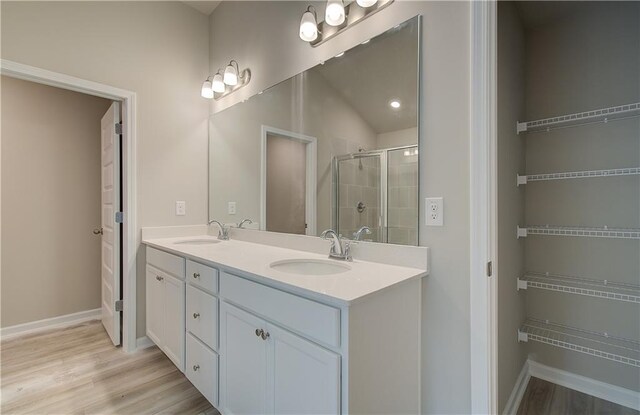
[(359, 181), (402, 199)]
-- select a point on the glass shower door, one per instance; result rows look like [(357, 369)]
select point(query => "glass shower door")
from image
[(359, 196)]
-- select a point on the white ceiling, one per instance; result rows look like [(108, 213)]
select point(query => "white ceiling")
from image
[(370, 75), (206, 7)]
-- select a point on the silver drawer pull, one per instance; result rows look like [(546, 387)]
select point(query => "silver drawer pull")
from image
[(196, 315), (196, 275), (196, 367)]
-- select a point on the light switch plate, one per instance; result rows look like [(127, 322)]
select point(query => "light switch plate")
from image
[(231, 208), (181, 208), (434, 211)]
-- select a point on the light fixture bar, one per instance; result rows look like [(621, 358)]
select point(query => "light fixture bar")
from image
[(354, 14)]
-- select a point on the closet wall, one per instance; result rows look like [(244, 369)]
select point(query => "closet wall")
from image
[(568, 58), (588, 59)]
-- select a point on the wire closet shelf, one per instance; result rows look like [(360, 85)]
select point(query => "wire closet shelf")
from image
[(619, 112), (592, 343), (580, 286), (576, 231), (586, 174)]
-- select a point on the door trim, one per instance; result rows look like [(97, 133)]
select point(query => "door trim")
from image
[(483, 207), (130, 239), (311, 175)]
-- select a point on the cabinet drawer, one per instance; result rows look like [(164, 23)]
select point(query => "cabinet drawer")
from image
[(202, 316), (202, 369), (202, 276), (314, 320), (165, 261)]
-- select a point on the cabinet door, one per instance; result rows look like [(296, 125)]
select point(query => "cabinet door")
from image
[(174, 330), (155, 294), (243, 363), (304, 377)]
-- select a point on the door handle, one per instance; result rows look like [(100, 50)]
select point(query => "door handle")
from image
[(97, 231)]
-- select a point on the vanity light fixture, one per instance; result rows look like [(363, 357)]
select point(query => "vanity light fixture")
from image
[(334, 13), (337, 18), (207, 90), (309, 25), (222, 84)]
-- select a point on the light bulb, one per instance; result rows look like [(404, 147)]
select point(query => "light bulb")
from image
[(366, 3), (217, 84), (308, 27), (207, 91), (394, 104), (334, 14), (230, 75)]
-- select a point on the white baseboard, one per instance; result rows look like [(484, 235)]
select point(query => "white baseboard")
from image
[(518, 390), (606, 391), (50, 323), (143, 343)]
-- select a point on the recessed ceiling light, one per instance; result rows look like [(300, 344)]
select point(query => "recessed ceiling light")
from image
[(394, 103), (339, 54)]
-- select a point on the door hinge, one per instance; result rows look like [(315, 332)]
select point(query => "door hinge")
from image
[(119, 305), (118, 128), (489, 269), (119, 217)]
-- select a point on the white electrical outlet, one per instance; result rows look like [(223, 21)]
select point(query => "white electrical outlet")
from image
[(231, 208), (434, 211), (181, 208)]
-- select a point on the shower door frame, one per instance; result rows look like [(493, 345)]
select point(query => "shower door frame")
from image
[(384, 189)]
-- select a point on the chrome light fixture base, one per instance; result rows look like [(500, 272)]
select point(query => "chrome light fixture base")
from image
[(354, 15)]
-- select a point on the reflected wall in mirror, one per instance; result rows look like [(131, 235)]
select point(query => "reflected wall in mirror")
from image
[(333, 147)]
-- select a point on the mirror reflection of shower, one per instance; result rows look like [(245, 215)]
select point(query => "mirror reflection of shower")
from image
[(378, 189)]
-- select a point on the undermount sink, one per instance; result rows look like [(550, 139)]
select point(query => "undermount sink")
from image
[(310, 266), (200, 241)]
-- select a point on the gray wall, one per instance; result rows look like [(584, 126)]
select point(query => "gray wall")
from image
[(159, 51), (511, 307), (586, 60), (274, 53), (50, 201)]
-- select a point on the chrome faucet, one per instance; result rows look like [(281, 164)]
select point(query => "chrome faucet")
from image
[(241, 224), (223, 234), (358, 234), (340, 248)]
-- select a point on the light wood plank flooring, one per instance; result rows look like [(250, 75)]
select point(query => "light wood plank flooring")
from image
[(545, 398), (77, 370)]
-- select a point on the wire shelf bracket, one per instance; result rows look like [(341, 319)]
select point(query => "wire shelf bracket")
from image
[(588, 117), (605, 232), (595, 344), (580, 286), (627, 171)]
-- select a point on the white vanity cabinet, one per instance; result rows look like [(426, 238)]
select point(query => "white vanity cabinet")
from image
[(258, 347), (269, 370), (165, 290)]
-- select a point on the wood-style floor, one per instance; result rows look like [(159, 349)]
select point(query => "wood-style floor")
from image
[(545, 398), (77, 370)]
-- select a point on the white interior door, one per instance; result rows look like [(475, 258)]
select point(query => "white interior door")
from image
[(110, 269)]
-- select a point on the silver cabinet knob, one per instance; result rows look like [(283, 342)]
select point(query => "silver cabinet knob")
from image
[(265, 335), (159, 278), (196, 315), (259, 332), (196, 275), (196, 367), (98, 231)]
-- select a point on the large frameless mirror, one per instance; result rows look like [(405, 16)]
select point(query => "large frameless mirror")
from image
[(333, 147)]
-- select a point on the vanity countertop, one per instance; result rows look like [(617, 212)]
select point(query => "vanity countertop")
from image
[(253, 260)]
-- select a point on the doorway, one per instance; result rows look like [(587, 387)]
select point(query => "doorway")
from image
[(129, 240), (288, 182)]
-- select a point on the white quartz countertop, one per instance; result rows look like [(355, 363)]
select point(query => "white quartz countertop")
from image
[(253, 260)]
